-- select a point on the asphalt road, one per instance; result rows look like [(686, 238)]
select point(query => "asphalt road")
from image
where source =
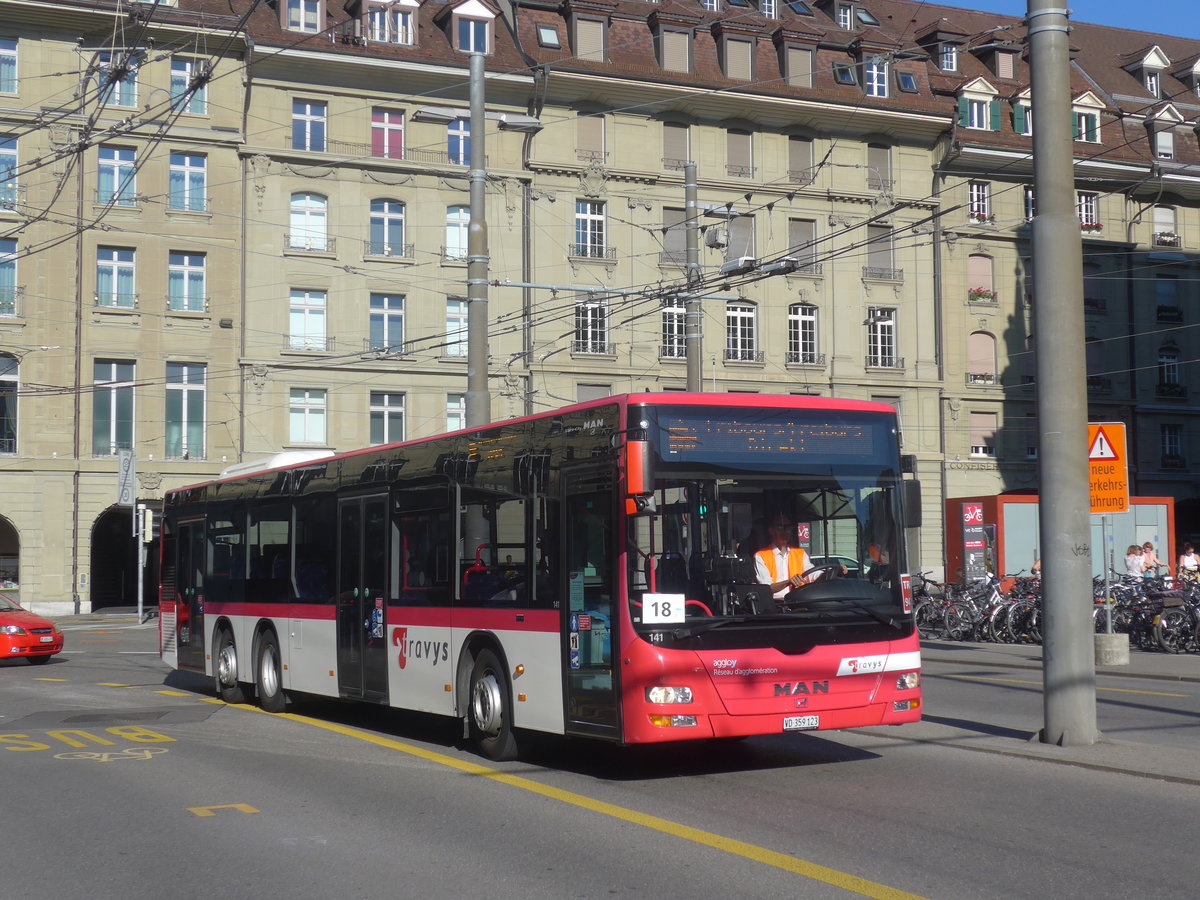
[(125, 779)]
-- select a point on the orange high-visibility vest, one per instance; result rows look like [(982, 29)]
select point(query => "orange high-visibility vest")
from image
[(797, 562)]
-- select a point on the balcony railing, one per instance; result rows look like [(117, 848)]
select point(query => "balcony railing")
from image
[(593, 251), (407, 154), (11, 196), (672, 257), (982, 378), (877, 182), (10, 300), (674, 165), (308, 343), (600, 348), (300, 242), (744, 354), (739, 171), (591, 156), (884, 362), (117, 301), (1172, 389), (805, 358), (1099, 384), (982, 295), (1165, 239), (1095, 304), (672, 351), (381, 349), (802, 176), (810, 268), (188, 304), (1169, 313), (8, 444), (391, 251), (454, 254), (1173, 461), (123, 198), (882, 274)]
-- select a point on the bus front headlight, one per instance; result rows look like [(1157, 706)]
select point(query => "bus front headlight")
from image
[(665, 694)]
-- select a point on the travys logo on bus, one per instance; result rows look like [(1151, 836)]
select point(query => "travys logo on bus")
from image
[(861, 665), (436, 651)]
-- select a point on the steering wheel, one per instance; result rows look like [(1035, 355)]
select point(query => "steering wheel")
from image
[(826, 572)]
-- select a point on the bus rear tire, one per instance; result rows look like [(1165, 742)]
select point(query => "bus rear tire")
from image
[(270, 674), (489, 713), (225, 669)]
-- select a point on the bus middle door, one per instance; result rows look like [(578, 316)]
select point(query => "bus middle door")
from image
[(363, 530), (189, 593)]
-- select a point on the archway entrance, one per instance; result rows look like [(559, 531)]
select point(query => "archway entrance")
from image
[(10, 560), (114, 560)]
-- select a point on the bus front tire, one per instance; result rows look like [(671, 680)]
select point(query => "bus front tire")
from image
[(270, 674), (225, 669), (489, 717)]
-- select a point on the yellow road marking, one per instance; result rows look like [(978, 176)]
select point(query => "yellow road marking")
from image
[(173, 693), (1039, 684), (814, 871), (111, 684), (206, 811), (63, 680)]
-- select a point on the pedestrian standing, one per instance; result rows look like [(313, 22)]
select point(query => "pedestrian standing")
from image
[(1150, 560), (1135, 562), (1189, 564)]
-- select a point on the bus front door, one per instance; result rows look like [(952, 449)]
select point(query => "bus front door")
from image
[(189, 594), (362, 597), (590, 613)]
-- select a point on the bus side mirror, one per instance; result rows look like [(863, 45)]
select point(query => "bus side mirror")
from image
[(639, 477), (912, 503)]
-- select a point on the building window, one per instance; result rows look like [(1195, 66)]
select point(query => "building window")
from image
[(677, 150), (456, 327), (547, 36), (189, 91), (880, 254), (589, 229), (1030, 204), (875, 79), (1087, 205), (1023, 119), (978, 116), (8, 65), (906, 82), (1171, 441), (472, 35), (387, 133), (800, 159), (881, 337), (186, 286), (309, 223), (591, 327), (711, 5), (589, 40), (589, 137), (741, 238), (844, 74), (845, 16), (1005, 64), (117, 176), (1168, 365), (306, 321), (674, 341), (979, 202), (1087, 127), (739, 153), (879, 167), (387, 324), (387, 229), (1166, 295), (118, 79), (387, 417), (802, 236), (391, 23), (983, 434), (458, 142), (306, 416), (1165, 234), (185, 410), (1152, 82), (8, 172), (981, 358), (739, 59), (114, 277), (8, 277), (458, 220), (741, 332), (10, 384), (802, 334), (1164, 143), (675, 50), (308, 125), (769, 8), (188, 182), (302, 15), (112, 407), (799, 66), (948, 58), (456, 412), (980, 278)]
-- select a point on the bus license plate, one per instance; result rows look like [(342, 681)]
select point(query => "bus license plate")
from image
[(800, 723)]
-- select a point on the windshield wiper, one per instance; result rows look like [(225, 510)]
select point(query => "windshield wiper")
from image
[(711, 624), (855, 604)]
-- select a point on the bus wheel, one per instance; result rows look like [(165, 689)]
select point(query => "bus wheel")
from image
[(490, 715), (225, 669), (270, 674)]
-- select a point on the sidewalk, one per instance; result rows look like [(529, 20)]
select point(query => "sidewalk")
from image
[(1163, 763)]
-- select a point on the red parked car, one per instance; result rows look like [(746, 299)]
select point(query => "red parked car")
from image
[(22, 634)]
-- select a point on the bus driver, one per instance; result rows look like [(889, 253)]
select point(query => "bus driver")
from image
[(781, 565)]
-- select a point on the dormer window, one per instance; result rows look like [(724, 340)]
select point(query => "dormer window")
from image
[(1153, 85), (1087, 127), (739, 59), (906, 82), (799, 7), (547, 36), (302, 15), (865, 17), (844, 74), (472, 27), (948, 58), (769, 8), (590, 39), (845, 16), (392, 22), (875, 77)]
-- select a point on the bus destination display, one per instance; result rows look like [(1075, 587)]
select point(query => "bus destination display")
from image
[(713, 436)]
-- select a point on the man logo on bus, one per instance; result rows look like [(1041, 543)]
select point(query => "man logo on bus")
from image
[(438, 651)]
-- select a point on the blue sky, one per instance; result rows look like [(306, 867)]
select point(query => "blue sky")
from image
[(1177, 17)]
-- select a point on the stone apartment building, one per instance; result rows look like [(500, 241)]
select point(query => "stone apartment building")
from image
[(232, 229)]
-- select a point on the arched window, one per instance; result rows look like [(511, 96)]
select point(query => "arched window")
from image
[(1168, 365), (309, 225), (981, 358), (387, 229), (980, 279), (9, 384), (457, 220)]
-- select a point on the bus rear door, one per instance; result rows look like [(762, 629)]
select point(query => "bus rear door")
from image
[(363, 530), (189, 595)]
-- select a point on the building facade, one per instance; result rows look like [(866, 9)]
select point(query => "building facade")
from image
[(241, 228)]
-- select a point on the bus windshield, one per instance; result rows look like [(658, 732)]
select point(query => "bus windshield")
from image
[(718, 544)]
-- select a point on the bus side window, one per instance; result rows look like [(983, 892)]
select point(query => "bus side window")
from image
[(546, 562), (425, 541)]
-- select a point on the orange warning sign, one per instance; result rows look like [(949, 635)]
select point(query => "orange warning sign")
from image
[(1108, 467)]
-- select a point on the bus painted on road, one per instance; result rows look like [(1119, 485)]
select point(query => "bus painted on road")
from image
[(588, 571)]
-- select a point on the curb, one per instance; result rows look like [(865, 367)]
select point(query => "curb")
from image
[(1100, 670)]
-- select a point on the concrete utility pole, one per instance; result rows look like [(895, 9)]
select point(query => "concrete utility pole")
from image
[(693, 316), (479, 398), (1069, 671)]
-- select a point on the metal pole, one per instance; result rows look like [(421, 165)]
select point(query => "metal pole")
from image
[(1108, 598), (479, 399), (139, 536), (693, 316), (1069, 671)]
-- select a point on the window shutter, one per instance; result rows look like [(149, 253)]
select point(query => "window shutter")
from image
[(879, 250), (1004, 65), (589, 36), (738, 148), (738, 60), (964, 112), (799, 67), (800, 158), (1019, 118), (591, 132), (675, 141), (741, 237), (1164, 144), (1164, 219), (674, 240), (800, 237), (676, 51), (1075, 126), (995, 115), (879, 166), (981, 354), (979, 271), (983, 429)]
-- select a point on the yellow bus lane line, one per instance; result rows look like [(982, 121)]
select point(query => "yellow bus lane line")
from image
[(1039, 684), (814, 871)]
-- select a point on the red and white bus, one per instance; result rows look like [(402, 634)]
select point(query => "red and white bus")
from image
[(588, 571)]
